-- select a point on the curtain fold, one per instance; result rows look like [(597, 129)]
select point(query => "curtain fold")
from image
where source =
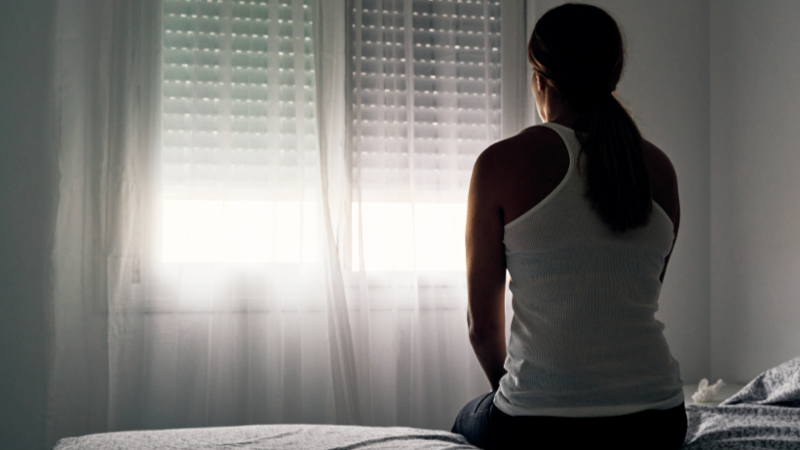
[(329, 19), (262, 208), (425, 102), (108, 66)]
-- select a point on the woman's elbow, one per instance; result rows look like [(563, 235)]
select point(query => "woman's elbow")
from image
[(482, 332)]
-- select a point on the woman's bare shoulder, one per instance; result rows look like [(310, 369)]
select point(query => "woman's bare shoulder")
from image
[(524, 144), (658, 156), (518, 172), (524, 154), (664, 181)]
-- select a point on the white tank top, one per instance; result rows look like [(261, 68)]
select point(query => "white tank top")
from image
[(584, 339)]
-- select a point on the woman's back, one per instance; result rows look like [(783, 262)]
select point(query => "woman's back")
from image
[(584, 341), (532, 164), (587, 248)]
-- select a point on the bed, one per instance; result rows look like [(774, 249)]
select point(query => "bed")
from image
[(763, 414), (263, 437)]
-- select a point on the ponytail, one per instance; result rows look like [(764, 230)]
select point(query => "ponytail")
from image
[(616, 172), (579, 49)]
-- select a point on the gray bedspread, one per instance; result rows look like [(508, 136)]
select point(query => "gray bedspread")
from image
[(270, 437), (764, 414)]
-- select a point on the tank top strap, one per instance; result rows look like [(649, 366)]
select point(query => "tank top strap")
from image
[(569, 137)]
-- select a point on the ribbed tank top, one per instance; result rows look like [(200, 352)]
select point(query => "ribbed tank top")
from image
[(584, 339)]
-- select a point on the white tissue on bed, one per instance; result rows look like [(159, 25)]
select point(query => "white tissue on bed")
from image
[(706, 393)]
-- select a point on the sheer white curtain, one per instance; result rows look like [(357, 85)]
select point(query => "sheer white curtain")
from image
[(262, 209), (107, 92), (425, 102)]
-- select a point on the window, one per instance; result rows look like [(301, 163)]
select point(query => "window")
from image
[(239, 155), (238, 141), (426, 102)]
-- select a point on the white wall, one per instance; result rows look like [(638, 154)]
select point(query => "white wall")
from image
[(755, 186), (28, 181), (665, 83)]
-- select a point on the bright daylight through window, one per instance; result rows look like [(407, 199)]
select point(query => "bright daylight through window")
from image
[(239, 153), (420, 123)]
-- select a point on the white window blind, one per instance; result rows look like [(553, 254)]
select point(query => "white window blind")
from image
[(239, 156), (238, 105), (238, 145), (426, 101), (426, 77)]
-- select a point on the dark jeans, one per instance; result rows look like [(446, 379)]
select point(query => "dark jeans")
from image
[(485, 426)]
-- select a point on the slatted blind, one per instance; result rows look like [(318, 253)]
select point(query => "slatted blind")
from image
[(426, 95), (238, 99)]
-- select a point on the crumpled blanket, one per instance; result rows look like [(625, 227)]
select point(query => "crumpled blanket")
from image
[(763, 414), (779, 386)]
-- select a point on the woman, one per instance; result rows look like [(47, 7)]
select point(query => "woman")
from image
[(583, 213)]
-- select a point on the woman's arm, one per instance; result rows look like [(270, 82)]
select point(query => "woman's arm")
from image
[(664, 182), (486, 267)]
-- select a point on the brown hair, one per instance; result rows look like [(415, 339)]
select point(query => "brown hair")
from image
[(580, 51)]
